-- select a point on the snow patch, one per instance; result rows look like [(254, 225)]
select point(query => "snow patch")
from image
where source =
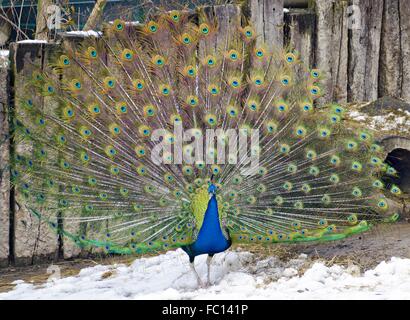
[(386, 122), (32, 41), (4, 58), (90, 33), (4, 53), (234, 275), (129, 23)]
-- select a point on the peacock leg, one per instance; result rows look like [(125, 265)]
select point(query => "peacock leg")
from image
[(200, 283), (208, 263)]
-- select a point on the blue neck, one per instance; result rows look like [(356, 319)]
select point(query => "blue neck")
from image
[(210, 238), (211, 215)]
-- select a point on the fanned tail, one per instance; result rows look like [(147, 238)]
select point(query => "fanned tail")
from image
[(98, 135)]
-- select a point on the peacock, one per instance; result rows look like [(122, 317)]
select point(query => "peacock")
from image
[(183, 133)]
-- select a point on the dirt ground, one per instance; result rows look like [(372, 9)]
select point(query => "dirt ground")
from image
[(365, 250)]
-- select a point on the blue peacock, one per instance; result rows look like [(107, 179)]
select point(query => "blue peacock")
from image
[(86, 123)]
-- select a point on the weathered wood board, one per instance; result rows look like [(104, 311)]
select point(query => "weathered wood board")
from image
[(4, 161), (34, 240)]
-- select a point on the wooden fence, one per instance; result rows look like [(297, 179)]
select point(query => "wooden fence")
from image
[(362, 46)]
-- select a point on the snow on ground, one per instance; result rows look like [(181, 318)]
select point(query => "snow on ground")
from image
[(386, 122), (234, 275)]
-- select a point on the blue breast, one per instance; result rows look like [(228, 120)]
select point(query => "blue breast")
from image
[(210, 238)]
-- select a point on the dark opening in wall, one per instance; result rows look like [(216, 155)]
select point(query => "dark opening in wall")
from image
[(399, 159)]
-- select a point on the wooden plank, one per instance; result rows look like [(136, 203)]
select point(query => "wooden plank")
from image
[(405, 48), (391, 64), (267, 18), (364, 51), (4, 161), (34, 240), (69, 248), (227, 16), (332, 48), (300, 33)]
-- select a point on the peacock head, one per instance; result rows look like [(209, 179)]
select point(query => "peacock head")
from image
[(212, 188)]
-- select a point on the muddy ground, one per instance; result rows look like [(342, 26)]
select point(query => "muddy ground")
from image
[(365, 250)]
